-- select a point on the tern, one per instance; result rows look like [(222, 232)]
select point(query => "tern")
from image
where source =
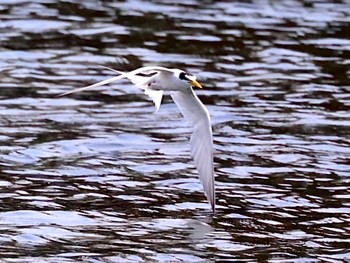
[(154, 80)]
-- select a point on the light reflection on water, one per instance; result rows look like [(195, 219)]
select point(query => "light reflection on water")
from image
[(97, 177)]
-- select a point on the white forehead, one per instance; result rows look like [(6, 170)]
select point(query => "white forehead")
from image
[(191, 77)]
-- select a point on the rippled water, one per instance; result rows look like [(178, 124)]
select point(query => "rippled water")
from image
[(97, 177)]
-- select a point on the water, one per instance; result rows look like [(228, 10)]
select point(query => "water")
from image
[(96, 177)]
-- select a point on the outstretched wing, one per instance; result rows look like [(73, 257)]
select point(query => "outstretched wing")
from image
[(124, 75), (201, 140), (143, 81)]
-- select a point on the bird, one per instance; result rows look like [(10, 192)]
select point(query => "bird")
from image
[(154, 80)]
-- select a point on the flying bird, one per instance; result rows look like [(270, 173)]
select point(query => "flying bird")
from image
[(154, 80)]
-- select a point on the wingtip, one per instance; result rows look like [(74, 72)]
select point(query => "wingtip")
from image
[(60, 95), (157, 106), (213, 206), (212, 201), (64, 94), (155, 111)]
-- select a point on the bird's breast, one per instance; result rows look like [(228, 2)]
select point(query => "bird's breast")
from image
[(174, 84)]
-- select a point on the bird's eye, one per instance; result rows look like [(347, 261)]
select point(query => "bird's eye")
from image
[(182, 76)]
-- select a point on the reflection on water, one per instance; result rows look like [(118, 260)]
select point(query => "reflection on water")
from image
[(96, 177)]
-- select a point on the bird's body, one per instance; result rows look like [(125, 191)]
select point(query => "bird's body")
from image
[(155, 80)]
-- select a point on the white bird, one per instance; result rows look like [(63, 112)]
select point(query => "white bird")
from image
[(153, 80)]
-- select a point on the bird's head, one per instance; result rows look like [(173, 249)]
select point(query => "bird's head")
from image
[(184, 76)]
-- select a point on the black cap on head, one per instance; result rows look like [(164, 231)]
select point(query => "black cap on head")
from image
[(182, 76)]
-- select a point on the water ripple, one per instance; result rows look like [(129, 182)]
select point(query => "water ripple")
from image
[(97, 177)]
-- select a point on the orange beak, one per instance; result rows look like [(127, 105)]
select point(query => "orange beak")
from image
[(194, 83)]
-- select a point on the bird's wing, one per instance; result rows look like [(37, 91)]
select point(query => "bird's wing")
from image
[(124, 75), (201, 140), (143, 81)]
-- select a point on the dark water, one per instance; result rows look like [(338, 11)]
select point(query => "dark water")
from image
[(96, 177)]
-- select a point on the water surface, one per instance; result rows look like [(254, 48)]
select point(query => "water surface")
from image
[(97, 177)]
